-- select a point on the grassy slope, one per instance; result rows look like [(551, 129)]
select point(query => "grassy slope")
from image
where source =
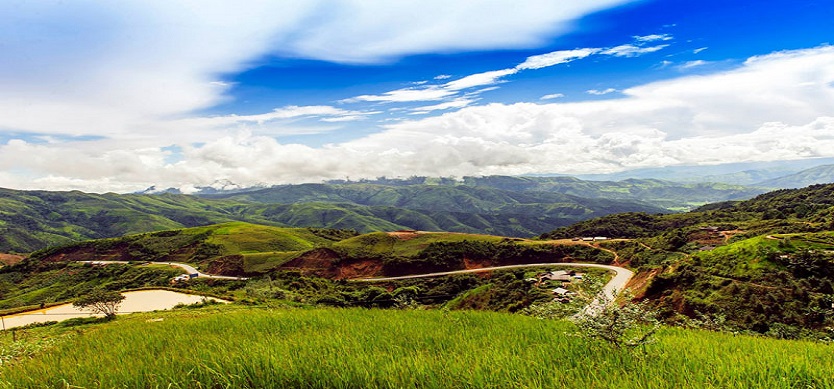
[(256, 245), (381, 244), (357, 348)]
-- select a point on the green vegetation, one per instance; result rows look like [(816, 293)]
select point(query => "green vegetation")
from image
[(31, 283), (32, 220), (244, 347), (500, 290), (231, 248), (764, 265)]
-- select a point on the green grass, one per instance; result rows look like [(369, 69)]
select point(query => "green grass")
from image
[(264, 262), (230, 347), (246, 238), (382, 244)]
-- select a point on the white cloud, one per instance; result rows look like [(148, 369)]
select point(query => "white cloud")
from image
[(454, 104), (693, 64), (653, 38), (406, 95), (373, 30), (698, 50), (597, 92), (552, 96), (555, 58), (138, 63), (289, 112), (442, 77), (629, 50), (479, 79), (157, 70)]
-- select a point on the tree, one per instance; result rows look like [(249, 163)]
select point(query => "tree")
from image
[(100, 301), (629, 326)]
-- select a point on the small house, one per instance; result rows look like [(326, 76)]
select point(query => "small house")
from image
[(562, 292), (557, 275)]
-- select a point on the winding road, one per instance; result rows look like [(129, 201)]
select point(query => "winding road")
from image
[(188, 269), (610, 290)]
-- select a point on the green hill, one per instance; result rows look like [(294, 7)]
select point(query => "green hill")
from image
[(765, 264), (231, 248), (31, 220)]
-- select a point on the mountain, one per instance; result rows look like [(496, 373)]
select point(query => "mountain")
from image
[(817, 175), (740, 173), (441, 193), (32, 220)]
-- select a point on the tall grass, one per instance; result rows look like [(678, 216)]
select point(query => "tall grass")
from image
[(357, 348)]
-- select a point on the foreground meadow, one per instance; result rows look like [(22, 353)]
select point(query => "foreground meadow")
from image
[(246, 347)]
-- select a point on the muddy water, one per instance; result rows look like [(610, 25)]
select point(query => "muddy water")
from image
[(138, 301)]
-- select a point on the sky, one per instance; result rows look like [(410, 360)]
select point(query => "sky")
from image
[(104, 96)]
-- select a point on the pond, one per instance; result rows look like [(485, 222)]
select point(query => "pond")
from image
[(136, 301)]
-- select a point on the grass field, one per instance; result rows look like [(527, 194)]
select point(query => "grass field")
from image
[(246, 347)]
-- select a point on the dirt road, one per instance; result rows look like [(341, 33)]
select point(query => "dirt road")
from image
[(611, 289)]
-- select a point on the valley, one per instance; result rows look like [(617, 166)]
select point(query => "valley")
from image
[(758, 268)]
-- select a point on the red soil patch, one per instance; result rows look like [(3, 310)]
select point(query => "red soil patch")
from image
[(327, 263), (360, 269), (320, 260), (640, 282), (474, 264), (10, 259)]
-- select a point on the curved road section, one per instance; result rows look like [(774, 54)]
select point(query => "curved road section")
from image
[(188, 269), (610, 290)]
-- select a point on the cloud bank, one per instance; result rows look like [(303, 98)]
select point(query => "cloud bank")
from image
[(772, 107)]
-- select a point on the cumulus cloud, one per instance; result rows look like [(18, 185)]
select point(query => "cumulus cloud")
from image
[(128, 84)]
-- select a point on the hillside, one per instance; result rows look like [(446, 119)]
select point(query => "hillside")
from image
[(763, 265), (233, 248), (238, 248), (32, 220), (816, 175)]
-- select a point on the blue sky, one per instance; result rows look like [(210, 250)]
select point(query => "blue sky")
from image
[(104, 96)]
